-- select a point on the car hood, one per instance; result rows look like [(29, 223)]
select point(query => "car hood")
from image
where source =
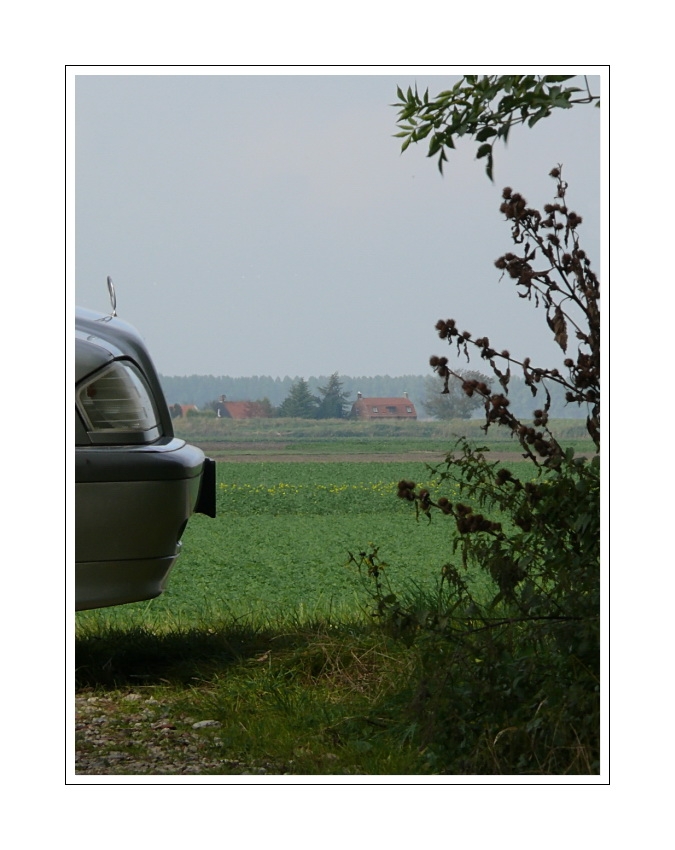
[(100, 339)]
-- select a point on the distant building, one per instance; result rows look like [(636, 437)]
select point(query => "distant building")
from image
[(240, 409), (383, 408), (245, 410)]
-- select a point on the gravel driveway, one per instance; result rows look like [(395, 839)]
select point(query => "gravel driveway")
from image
[(136, 735)]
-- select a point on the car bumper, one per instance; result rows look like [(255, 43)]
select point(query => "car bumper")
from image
[(131, 508), (103, 583)]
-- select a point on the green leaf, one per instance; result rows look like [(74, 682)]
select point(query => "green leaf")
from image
[(434, 145), (485, 133), (542, 113), (483, 150)]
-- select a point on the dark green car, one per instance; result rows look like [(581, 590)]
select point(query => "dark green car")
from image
[(136, 483)]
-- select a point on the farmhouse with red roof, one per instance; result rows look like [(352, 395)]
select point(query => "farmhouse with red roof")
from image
[(383, 408), (240, 409)]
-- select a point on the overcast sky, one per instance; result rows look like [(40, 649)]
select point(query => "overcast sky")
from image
[(269, 225)]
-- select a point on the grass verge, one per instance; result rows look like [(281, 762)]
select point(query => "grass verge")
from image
[(244, 698)]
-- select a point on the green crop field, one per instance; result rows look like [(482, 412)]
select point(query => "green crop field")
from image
[(280, 544), (309, 493), (281, 540)]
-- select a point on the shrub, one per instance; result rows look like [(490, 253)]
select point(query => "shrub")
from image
[(510, 675)]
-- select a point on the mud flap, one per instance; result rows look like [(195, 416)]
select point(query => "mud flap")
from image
[(206, 501)]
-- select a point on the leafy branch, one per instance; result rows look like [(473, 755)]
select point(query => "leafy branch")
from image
[(484, 108)]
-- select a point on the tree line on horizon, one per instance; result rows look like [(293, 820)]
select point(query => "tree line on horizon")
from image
[(201, 389), (307, 399)]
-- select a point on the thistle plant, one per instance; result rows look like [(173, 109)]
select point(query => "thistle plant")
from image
[(535, 538)]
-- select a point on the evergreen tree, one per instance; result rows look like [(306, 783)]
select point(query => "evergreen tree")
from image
[(333, 399), (299, 403)]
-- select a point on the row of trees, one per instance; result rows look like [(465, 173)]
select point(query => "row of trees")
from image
[(200, 389), (300, 403), (332, 402), (332, 397)]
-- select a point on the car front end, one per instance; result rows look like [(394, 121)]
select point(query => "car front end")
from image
[(136, 483)]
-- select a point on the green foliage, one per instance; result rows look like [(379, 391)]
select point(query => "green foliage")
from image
[(300, 403), (263, 408), (510, 677), (453, 403), (334, 400), (484, 108)]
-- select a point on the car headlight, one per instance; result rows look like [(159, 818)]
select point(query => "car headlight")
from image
[(117, 406)]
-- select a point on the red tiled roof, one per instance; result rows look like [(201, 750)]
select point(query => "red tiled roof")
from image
[(245, 409), (384, 408)]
